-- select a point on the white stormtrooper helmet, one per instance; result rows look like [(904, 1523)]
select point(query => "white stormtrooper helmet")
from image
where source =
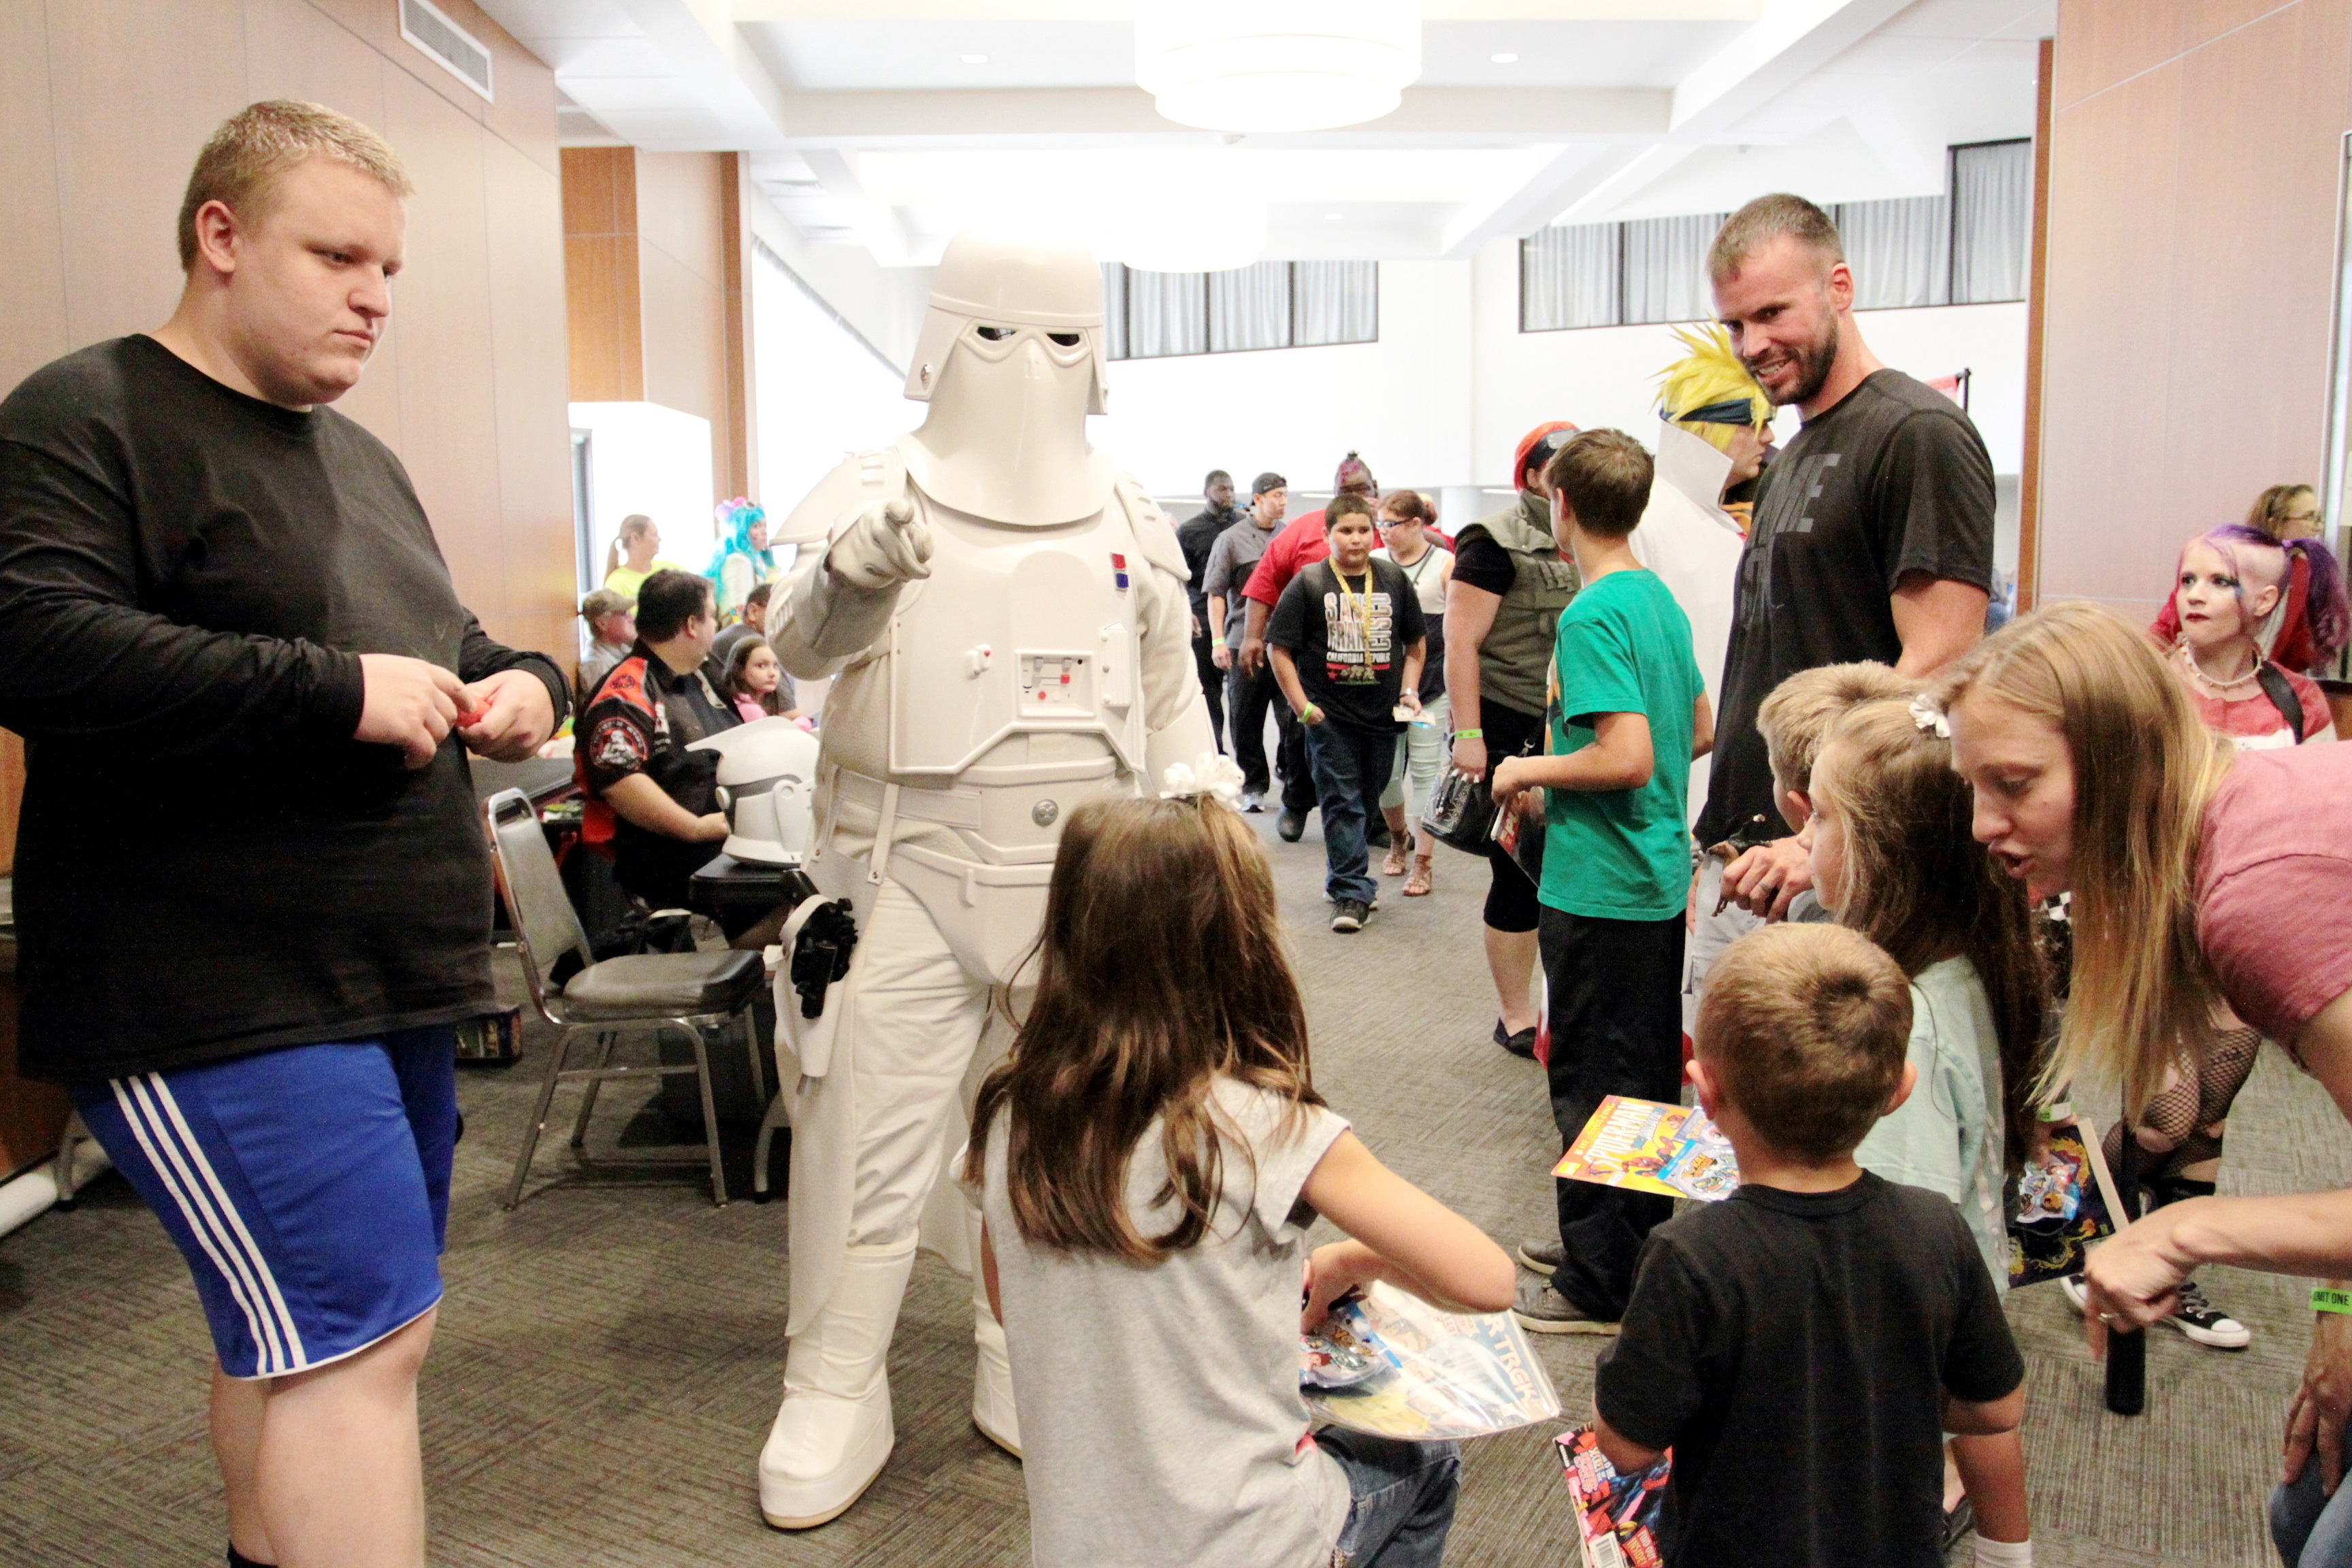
[(767, 786), (1045, 293)]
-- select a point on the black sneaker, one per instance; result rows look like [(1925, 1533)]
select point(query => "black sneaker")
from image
[(1291, 825), (2205, 1324), (1350, 915), (1521, 1045), (1544, 1256), (1541, 1310)]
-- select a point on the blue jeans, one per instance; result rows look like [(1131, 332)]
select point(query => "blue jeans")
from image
[(2309, 1529), (1351, 767), (1400, 1498)]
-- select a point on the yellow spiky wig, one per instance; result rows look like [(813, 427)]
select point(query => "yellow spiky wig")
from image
[(1709, 375)]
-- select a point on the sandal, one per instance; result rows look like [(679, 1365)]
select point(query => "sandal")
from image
[(1394, 865), (1418, 883)]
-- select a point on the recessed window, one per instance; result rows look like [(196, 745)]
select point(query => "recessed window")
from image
[(1965, 248), (1270, 305)]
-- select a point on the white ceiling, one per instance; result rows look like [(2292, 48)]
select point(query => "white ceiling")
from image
[(869, 124)]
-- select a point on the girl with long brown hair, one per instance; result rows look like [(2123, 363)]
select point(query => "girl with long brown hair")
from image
[(2199, 874), (1148, 1157)]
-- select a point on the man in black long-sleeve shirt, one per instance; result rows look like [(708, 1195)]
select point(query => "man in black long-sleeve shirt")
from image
[(253, 891), (1196, 536)]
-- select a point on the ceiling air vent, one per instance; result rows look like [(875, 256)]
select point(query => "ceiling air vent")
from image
[(422, 23)]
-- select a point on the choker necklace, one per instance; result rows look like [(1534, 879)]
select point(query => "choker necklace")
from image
[(2205, 682)]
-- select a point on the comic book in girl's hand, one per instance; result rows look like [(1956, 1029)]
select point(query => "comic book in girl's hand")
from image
[(1650, 1147), (1616, 1516), (2065, 1200), (1435, 1374)]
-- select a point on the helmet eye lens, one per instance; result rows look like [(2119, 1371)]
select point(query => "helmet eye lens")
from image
[(994, 334), (1067, 339)]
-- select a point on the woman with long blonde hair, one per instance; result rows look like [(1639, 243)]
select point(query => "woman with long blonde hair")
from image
[(2199, 874), (1148, 1157)]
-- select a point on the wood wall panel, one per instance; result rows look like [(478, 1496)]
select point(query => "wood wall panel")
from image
[(2193, 205), (33, 300), (604, 318), (142, 87), (679, 208), (293, 49), (685, 328), (448, 401)]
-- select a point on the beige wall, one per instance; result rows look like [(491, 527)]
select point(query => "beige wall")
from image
[(103, 104), (2196, 159)]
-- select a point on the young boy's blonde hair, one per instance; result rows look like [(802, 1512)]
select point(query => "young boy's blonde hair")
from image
[(1804, 1029), (1801, 709)]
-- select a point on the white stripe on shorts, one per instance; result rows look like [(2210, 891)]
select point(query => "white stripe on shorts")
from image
[(275, 1303), (199, 1224)]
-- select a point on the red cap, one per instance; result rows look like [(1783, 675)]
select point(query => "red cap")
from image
[(1534, 447)]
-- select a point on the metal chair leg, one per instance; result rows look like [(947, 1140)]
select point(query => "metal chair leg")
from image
[(752, 1045), (73, 1134), (538, 1118), (709, 1112), (604, 1038)]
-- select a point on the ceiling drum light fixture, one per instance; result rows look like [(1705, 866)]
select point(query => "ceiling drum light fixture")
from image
[(975, 59), (1506, 59), (1277, 65)]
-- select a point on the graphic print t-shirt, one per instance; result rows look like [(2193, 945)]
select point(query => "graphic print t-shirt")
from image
[(1894, 479), (1350, 638)]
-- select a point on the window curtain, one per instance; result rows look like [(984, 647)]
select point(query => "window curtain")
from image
[(1249, 307), (1568, 277), (1993, 229), (1897, 251), (1114, 279), (1665, 268), (1167, 313), (1335, 303)]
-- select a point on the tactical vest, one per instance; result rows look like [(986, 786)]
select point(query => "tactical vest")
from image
[(1514, 659)]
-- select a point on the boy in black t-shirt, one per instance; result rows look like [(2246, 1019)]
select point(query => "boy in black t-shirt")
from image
[(1805, 1345), (1335, 640)]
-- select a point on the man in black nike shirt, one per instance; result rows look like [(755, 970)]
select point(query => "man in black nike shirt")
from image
[(252, 886), (1872, 537)]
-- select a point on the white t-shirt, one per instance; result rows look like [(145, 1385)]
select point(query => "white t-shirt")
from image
[(1948, 1136), (1428, 574), (1160, 1421)]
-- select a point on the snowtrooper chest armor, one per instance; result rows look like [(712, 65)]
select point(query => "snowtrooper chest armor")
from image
[(1016, 632)]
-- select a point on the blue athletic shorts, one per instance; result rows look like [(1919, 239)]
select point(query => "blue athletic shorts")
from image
[(308, 1187)]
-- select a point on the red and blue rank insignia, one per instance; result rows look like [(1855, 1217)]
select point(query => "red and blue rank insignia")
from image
[(1119, 570)]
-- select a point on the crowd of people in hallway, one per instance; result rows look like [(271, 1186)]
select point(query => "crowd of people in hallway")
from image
[(1939, 876)]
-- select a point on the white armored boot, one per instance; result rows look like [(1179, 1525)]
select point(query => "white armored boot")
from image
[(992, 1381), (833, 1434)]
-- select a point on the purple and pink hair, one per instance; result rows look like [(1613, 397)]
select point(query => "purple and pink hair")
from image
[(2324, 609)]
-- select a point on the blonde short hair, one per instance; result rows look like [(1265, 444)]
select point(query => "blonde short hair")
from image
[(1805, 1028), (242, 164), (1801, 709)]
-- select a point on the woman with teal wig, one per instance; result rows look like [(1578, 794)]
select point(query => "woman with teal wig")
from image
[(743, 560)]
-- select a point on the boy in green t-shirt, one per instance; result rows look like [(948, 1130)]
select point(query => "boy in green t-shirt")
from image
[(1628, 714)]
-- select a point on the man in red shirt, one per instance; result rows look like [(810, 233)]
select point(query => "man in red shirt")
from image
[(1299, 545)]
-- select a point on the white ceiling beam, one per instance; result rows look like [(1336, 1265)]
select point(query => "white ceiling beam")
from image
[(1546, 111), (1789, 41), (1579, 181), (699, 42), (1123, 10)]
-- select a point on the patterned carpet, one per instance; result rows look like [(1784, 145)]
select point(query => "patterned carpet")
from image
[(607, 1357)]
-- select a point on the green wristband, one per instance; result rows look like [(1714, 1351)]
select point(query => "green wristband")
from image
[(2325, 1298), (1469, 734)]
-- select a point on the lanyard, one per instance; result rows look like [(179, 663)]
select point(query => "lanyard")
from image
[(1363, 609)]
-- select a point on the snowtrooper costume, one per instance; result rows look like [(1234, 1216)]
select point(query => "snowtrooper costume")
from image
[(1004, 614)]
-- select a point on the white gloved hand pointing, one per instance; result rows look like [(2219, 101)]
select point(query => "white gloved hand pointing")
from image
[(885, 547)]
